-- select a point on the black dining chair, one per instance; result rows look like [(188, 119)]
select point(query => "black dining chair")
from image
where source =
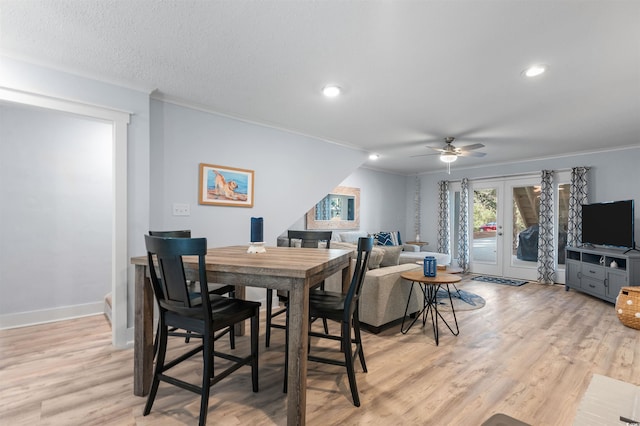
[(213, 288), (308, 239), (200, 313), (343, 308)]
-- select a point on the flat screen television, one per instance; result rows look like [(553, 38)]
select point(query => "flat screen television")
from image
[(608, 224)]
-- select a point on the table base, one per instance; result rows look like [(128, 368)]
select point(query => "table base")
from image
[(430, 307)]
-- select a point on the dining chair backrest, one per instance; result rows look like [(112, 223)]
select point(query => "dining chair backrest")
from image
[(365, 245), (183, 233), (171, 287), (310, 239)]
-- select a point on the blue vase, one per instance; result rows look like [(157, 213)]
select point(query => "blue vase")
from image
[(430, 266)]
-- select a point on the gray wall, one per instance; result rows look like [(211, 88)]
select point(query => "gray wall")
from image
[(382, 201), (292, 172), (614, 175), (55, 214), (30, 78)]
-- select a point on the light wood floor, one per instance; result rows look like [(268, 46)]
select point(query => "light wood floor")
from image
[(529, 353)]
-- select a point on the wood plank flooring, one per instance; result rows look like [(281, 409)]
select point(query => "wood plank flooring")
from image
[(529, 353)]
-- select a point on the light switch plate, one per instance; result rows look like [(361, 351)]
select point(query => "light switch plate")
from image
[(181, 209)]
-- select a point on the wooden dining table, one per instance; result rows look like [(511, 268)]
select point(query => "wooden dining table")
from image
[(295, 270)]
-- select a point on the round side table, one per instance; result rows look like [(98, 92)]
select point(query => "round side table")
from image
[(429, 287)]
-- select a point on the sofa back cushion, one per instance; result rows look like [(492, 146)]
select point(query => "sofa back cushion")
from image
[(391, 255), (351, 236)]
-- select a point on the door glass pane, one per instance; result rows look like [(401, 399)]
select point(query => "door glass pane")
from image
[(526, 209), (485, 215), (563, 220)]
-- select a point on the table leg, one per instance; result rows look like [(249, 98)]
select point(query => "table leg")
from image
[(143, 341), (298, 351), (240, 327)]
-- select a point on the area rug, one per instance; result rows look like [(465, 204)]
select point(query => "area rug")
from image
[(462, 300), (498, 280)]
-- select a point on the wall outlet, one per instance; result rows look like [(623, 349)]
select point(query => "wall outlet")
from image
[(181, 209)]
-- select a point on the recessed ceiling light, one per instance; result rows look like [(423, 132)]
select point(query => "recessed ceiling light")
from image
[(331, 91), (374, 156), (535, 70)]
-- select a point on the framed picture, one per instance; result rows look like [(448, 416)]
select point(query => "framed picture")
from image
[(225, 186)]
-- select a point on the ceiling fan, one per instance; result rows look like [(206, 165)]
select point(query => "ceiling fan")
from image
[(449, 153)]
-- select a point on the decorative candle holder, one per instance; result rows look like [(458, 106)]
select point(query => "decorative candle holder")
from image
[(256, 247)]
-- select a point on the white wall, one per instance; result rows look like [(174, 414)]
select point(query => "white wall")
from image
[(55, 214), (291, 171), (614, 175)]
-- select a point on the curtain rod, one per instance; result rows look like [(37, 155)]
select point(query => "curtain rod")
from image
[(513, 175)]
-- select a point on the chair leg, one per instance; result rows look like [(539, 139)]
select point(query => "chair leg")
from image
[(255, 321), (161, 339), (348, 359), (207, 373), (356, 329), (267, 334)]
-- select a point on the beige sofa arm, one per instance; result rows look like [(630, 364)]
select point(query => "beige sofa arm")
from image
[(384, 295), (410, 247)]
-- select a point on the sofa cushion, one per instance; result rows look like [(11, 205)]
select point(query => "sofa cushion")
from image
[(375, 258), (413, 257), (391, 255), (352, 236)]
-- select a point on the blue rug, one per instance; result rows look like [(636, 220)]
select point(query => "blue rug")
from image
[(462, 300), (498, 280)]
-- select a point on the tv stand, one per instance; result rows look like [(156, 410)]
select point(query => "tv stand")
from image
[(634, 248), (589, 269)]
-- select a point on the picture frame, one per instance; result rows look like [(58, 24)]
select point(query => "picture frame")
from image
[(225, 186)]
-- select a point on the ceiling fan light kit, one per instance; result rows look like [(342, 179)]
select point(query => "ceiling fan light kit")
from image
[(448, 157)]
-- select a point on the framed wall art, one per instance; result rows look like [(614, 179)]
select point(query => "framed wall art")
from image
[(225, 186)]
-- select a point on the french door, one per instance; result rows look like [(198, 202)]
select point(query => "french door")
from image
[(503, 225)]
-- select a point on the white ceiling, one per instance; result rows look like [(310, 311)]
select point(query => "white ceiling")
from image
[(413, 72)]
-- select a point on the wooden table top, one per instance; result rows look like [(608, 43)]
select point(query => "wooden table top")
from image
[(276, 261), (440, 278)]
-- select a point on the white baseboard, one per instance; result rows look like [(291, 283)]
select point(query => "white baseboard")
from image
[(23, 319)]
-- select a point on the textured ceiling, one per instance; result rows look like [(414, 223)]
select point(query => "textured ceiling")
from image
[(413, 72)]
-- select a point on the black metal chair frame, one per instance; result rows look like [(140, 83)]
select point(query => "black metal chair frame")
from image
[(344, 309), (181, 308)]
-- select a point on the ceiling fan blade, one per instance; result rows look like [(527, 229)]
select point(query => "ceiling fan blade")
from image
[(472, 154), (437, 149), (424, 155), (471, 147)]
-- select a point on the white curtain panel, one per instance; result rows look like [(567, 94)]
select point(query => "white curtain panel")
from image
[(546, 246), (577, 197)]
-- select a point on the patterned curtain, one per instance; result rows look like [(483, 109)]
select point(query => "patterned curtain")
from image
[(443, 217), (463, 227), (577, 197), (546, 249), (323, 209), (416, 201)]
